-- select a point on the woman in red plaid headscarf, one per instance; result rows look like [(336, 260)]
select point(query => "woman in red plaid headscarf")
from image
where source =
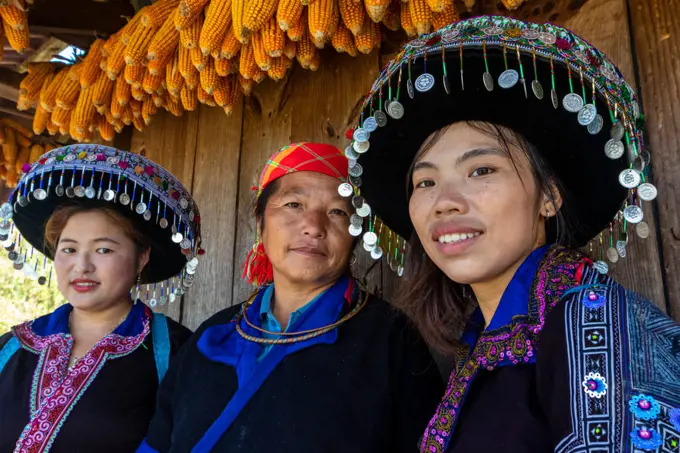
[(311, 363)]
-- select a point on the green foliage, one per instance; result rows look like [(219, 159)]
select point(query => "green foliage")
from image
[(21, 298)]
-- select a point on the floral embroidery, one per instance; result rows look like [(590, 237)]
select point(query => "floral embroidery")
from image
[(674, 416), (646, 438), (595, 385), (55, 389), (644, 407), (511, 344), (593, 301)]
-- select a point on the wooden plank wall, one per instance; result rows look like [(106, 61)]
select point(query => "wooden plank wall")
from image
[(220, 157)]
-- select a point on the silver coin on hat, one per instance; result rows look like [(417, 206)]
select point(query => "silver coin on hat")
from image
[(124, 199), (23, 201), (163, 223), (356, 170), (357, 201), (409, 89), (595, 127), (370, 238), (350, 153), (147, 215), (109, 195), (424, 82), (70, 192), (629, 178), (377, 253), (79, 191), (183, 203), (356, 220), (537, 88), (612, 255), (59, 190), (380, 118), (572, 102), (508, 79), (355, 230), (642, 230), (633, 214), (177, 238), (355, 180), (601, 267), (40, 194), (364, 210), (547, 38), (345, 189), (587, 115), (185, 244), (361, 135), (488, 81), (370, 124), (614, 149), (90, 192), (647, 191), (554, 98), (617, 131), (140, 208), (368, 247), (621, 248), (645, 157), (361, 147), (395, 110), (6, 211)]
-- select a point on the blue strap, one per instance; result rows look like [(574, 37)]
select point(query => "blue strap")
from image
[(8, 351), (145, 448), (161, 343)]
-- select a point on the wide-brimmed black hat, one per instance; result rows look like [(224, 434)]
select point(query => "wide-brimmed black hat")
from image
[(98, 176), (540, 80)]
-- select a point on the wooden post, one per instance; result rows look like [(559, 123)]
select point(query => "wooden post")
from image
[(656, 34)]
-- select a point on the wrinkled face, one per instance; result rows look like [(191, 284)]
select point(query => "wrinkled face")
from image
[(96, 263), (305, 233), (476, 212)]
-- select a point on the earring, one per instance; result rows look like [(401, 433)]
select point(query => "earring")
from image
[(139, 287)]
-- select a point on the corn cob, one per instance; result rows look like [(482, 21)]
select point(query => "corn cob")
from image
[(155, 15), (60, 116), (376, 9), (230, 45), (279, 68), (136, 50), (18, 127), (237, 14), (102, 65), (189, 100), (256, 14), (37, 150), (421, 15), (511, 5), (10, 150), (259, 75), (109, 44), (40, 120), (288, 13), (157, 67), (164, 43), (217, 22), (151, 83), (136, 108), (263, 60), (117, 109), (320, 17), (106, 130), (247, 63), (437, 6), (134, 75), (116, 61), (407, 21), (448, 15), (22, 157), (190, 35), (234, 91), (139, 123), (138, 94), (64, 130), (11, 177), (186, 67), (119, 126), (131, 29), (173, 106), (198, 59), (29, 99), (343, 41), (202, 96), (187, 12), (52, 128), (370, 38), (246, 85), (193, 80), (353, 15), (22, 141), (67, 96), (84, 112), (290, 49), (296, 32), (102, 109), (102, 90), (273, 38), (126, 116), (149, 109), (392, 20), (173, 77), (209, 76), (305, 50), (222, 67), (48, 95), (90, 66), (14, 17), (221, 94), (30, 86)]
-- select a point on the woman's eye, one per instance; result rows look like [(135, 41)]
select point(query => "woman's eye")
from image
[(424, 183), (339, 212), (294, 204), (104, 250), (67, 250), (482, 171)]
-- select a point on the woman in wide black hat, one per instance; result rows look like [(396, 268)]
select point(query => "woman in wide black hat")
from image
[(508, 145), (123, 235)]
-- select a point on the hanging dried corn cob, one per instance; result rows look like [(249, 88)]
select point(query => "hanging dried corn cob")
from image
[(109, 44), (126, 115), (189, 35), (279, 68), (230, 45), (247, 63), (188, 98), (234, 94), (61, 117), (149, 108), (222, 67), (136, 50), (131, 29), (273, 38), (187, 12), (155, 15), (116, 110), (353, 15), (305, 50), (407, 21), (116, 61), (198, 59), (52, 128), (511, 5), (209, 76), (18, 127), (288, 13), (138, 94), (48, 96), (215, 26), (136, 108), (37, 150), (134, 75), (173, 106), (421, 15), (448, 15), (437, 6), (40, 120), (173, 77), (163, 44), (19, 40), (376, 9), (14, 17), (290, 49), (22, 157), (10, 150), (67, 96), (151, 83), (202, 96), (102, 90), (263, 60), (296, 32), (186, 67), (90, 66), (370, 38), (139, 123), (2, 139), (320, 17), (256, 14), (237, 13), (343, 41), (392, 20), (106, 130), (221, 94), (23, 141)]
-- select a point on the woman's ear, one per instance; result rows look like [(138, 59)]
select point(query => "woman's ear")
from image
[(143, 259), (552, 202)]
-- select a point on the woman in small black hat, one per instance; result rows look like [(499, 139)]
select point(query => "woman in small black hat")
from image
[(509, 145), (123, 234)]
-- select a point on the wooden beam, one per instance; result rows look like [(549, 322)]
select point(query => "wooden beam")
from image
[(9, 84), (16, 113), (656, 34)]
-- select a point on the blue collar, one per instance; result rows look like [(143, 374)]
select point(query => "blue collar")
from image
[(514, 302), (57, 321), (267, 316)]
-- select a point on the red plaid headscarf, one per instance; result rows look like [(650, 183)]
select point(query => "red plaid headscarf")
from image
[(316, 157)]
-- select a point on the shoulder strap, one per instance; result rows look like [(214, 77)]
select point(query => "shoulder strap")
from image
[(161, 343), (8, 350)]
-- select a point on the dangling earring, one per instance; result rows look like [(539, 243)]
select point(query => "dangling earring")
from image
[(139, 287)]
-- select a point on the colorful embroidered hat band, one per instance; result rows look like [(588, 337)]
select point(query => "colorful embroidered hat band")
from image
[(540, 80), (100, 176)]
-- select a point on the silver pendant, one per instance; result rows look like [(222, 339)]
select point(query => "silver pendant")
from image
[(377, 253), (173, 229), (350, 153), (645, 157), (595, 127), (587, 115), (647, 191), (79, 191), (445, 81), (356, 220), (612, 255), (368, 247), (601, 267), (364, 210), (409, 89), (345, 189), (185, 244), (629, 178), (488, 81), (147, 215), (614, 149), (380, 118), (109, 195), (572, 102), (23, 201), (172, 297), (177, 238), (162, 300), (424, 82), (90, 192), (621, 248), (124, 199), (163, 223), (152, 302), (633, 214), (370, 238), (355, 230), (361, 147), (553, 97), (537, 88), (6, 211), (356, 170), (183, 203), (642, 230), (508, 79), (357, 202), (59, 190), (39, 194), (140, 208), (70, 192), (361, 135), (617, 132), (370, 124), (400, 271), (395, 110)]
